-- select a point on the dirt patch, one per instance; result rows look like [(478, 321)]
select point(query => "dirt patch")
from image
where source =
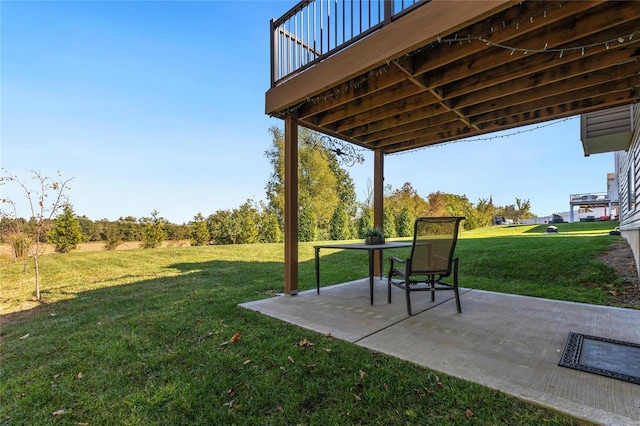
[(620, 258)]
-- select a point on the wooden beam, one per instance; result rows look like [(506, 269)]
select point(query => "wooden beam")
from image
[(534, 66), (372, 101), (590, 84), (291, 205), (587, 93), (532, 115), (389, 112)]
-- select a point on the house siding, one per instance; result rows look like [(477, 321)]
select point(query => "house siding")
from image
[(627, 164)]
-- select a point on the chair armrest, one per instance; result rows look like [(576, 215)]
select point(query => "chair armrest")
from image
[(397, 259)]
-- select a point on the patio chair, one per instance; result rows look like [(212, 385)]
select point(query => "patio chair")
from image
[(431, 260)]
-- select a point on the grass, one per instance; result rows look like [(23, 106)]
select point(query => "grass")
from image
[(147, 337)]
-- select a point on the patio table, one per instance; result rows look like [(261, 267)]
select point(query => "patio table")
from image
[(371, 248)]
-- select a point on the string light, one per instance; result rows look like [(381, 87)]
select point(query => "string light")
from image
[(545, 49), (490, 138)]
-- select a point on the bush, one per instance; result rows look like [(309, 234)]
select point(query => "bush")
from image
[(66, 233), (20, 243)]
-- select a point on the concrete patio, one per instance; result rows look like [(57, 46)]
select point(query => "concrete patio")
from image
[(510, 343)]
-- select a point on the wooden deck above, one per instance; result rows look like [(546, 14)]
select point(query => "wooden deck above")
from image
[(447, 70)]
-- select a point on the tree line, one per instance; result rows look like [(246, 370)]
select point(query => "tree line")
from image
[(329, 210)]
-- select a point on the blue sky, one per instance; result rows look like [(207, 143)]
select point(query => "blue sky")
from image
[(160, 105)]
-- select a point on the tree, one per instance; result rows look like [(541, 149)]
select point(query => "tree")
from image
[(406, 198), (153, 233), (44, 199), (245, 220), (524, 209), (347, 199), (339, 229), (270, 228), (484, 213), (130, 228), (307, 225), (437, 205), (66, 233), (220, 226), (405, 223), (112, 236), (322, 183), (365, 221), (90, 229), (199, 231), (389, 223)]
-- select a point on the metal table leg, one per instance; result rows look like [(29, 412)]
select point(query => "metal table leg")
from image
[(318, 270), (371, 274)]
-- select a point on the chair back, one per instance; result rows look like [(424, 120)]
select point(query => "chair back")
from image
[(434, 241)]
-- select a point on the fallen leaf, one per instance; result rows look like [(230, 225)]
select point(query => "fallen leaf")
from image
[(386, 387), (58, 412), (283, 370), (246, 362), (279, 407), (311, 365), (25, 336), (357, 397), (78, 376), (82, 424), (362, 374), (231, 392), (613, 293), (305, 343), (468, 413), (236, 337), (290, 358), (327, 350)]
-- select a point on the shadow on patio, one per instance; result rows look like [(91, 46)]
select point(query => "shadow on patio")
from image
[(510, 343)]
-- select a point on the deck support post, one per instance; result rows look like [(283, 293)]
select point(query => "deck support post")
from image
[(291, 204), (378, 196)]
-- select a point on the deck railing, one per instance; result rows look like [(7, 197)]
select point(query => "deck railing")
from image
[(316, 29), (593, 197)]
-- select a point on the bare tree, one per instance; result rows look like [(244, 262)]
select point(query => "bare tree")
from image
[(45, 196)]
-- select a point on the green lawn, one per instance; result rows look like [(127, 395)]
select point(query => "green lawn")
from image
[(147, 336)]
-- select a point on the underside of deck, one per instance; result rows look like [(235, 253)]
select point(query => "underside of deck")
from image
[(454, 69)]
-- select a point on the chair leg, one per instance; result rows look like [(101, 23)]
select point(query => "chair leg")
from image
[(389, 289), (408, 293), (455, 285), (433, 287)]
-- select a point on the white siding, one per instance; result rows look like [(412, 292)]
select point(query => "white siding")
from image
[(628, 176)]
